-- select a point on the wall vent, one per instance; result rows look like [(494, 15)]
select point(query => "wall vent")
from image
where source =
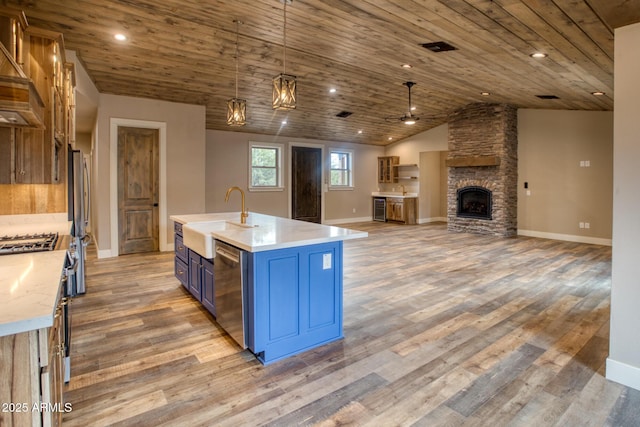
[(344, 114), (547, 97), (438, 46)]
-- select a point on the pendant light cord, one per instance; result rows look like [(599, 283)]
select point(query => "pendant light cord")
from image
[(237, 31), (284, 55)]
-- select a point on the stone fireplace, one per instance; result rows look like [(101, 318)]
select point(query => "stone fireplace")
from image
[(483, 170)]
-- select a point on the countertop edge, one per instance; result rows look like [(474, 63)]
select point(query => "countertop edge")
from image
[(28, 325), (223, 235)]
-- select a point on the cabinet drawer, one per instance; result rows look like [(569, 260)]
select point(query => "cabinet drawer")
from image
[(182, 273), (177, 227), (181, 249)]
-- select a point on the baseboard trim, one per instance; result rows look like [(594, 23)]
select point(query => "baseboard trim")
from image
[(565, 237), (347, 220), (622, 373), (104, 253), (434, 219)]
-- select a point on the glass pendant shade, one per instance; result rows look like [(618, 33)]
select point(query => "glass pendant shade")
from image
[(284, 92), (236, 112)]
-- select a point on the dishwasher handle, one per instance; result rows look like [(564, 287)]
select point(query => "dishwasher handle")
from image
[(225, 253)]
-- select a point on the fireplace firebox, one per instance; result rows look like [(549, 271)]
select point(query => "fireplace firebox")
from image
[(474, 202)]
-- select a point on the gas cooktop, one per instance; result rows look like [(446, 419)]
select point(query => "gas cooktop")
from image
[(25, 243)]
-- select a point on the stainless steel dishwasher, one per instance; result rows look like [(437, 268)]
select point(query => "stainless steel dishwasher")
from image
[(229, 274)]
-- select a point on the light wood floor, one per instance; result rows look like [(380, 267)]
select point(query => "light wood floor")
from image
[(440, 329)]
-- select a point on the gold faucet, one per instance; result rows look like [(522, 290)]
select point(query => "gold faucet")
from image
[(244, 214), (404, 190)]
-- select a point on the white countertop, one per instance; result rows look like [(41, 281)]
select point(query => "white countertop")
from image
[(37, 223), (29, 283), (269, 232), (397, 194)]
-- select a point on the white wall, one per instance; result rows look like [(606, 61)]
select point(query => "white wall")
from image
[(623, 364), (228, 165)]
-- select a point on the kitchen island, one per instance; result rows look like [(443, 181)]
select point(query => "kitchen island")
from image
[(292, 278)]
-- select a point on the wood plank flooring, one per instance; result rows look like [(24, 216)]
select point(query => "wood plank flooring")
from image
[(441, 329)]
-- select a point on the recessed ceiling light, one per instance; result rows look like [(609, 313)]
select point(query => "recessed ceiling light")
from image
[(390, 138), (332, 90), (538, 55), (407, 65), (413, 108), (284, 122), (359, 131), (485, 93), (598, 93), (120, 37)]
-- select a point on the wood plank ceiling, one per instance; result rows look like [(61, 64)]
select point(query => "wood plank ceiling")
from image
[(183, 51)]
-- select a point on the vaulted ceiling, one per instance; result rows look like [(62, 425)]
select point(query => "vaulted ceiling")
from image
[(183, 51)]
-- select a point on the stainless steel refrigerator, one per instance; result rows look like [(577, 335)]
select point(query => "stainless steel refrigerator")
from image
[(78, 208)]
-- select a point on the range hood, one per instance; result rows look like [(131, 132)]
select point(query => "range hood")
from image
[(20, 103)]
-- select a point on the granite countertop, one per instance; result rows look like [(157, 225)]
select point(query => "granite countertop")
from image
[(266, 232), (30, 283)]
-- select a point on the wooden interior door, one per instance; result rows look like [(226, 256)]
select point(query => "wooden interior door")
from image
[(138, 188), (306, 184)]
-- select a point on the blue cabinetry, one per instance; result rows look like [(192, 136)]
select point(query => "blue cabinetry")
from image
[(181, 257), (201, 283), (194, 271), (294, 300)]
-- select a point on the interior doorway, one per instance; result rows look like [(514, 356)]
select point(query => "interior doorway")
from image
[(306, 183), (138, 190)]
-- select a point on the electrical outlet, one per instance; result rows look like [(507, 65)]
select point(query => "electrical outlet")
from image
[(587, 164), (581, 224), (587, 225), (581, 163)]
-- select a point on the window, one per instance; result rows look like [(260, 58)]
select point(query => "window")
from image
[(341, 169), (266, 166)]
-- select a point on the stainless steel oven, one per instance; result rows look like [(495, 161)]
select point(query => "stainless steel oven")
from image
[(68, 284)]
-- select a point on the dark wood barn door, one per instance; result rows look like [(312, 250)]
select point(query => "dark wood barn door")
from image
[(306, 184), (138, 187)]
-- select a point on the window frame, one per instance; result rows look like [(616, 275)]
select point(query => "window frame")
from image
[(350, 185), (279, 166)]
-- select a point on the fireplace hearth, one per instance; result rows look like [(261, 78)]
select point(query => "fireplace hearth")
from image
[(474, 202)]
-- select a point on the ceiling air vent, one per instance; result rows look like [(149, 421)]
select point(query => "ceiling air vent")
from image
[(438, 46), (547, 97), (344, 114)]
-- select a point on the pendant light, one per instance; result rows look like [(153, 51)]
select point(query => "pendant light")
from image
[(236, 107), (284, 85)]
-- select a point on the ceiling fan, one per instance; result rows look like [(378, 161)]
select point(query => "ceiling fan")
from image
[(407, 118)]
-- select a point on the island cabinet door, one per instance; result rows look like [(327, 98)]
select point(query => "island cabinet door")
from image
[(207, 286), (294, 300), (195, 274)]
